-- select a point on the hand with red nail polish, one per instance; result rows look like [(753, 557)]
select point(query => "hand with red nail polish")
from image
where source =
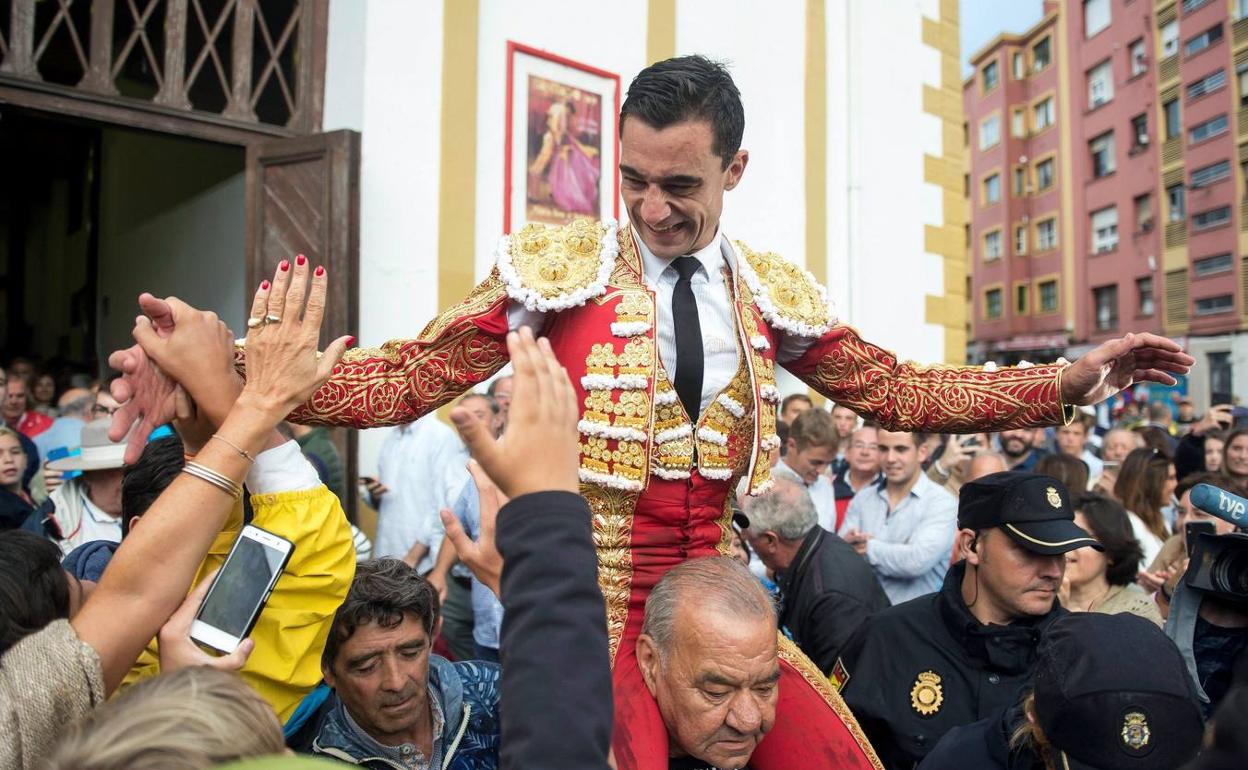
[(284, 265), (320, 270), (264, 285), (301, 260)]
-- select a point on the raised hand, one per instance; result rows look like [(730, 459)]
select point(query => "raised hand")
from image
[(1118, 364), (539, 451), (283, 367)]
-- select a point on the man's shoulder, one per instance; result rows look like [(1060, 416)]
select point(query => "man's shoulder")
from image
[(556, 267), (788, 296), (920, 612)]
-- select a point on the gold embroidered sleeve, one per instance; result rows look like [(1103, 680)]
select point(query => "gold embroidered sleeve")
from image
[(942, 399), (406, 379)]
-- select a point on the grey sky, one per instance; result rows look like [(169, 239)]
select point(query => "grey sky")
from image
[(982, 20)]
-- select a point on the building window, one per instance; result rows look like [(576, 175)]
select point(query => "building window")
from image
[(992, 304), (1191, 5), (1176, 198), (1174, 125), (1100, 84), (1219, 377), (1020, 240), (1020, 181), (1223, 303), (1139, 131), (1018, 123), (1215, 172), (1048, 296), (1169, 39), (1041, 55), (992, 245), (1102, 150), (1095, 16), (1241, 74), (992, 189), (1043, 113), (1105, 229), (1046, 235), (1020, 65), (1241, 9), (1202, 41), (1144, 291), (990, 132), (1207, 130), (1020, 299), (1211, 218), (1139, 58), (1207, 266), (991, 76), (1106, 300), (1044, 174), (1144, 212), (1209, 83)]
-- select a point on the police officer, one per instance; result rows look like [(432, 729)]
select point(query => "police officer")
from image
[(915, 671)]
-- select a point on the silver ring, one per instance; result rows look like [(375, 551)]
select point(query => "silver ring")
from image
[(272, 318), (255, 323)]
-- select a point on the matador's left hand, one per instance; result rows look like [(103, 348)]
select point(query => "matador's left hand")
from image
[(1118, 364)]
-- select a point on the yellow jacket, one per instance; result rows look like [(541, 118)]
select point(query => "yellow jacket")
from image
[(291, 631)]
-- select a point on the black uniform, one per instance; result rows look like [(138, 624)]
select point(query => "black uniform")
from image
[(915, 671), (828, 591)]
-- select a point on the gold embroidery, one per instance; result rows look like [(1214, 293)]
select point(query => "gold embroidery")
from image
[(634, 307), (795, 296), (627, 272), (815, 678), (612, 512), (556, 262)]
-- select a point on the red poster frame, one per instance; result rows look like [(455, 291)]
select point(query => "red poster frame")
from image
[(512, 49)]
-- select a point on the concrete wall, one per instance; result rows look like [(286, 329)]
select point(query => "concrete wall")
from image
[(158, 194)]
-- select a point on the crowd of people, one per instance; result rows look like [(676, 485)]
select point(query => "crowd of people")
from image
[(867, 583)]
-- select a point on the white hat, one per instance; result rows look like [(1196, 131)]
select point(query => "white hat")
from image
[(98, 453)]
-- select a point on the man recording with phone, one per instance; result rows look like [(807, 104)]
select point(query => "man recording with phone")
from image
[(1206, 599)]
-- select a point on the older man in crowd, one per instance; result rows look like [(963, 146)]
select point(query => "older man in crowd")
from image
[(75, 407), (88, 506), (1118, 443), (917, 670), (811, 449), (708, 655), (863, 469), (827, 590), (905, 526), (500, 391)]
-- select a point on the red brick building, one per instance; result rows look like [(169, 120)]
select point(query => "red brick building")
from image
[(1106, 176)]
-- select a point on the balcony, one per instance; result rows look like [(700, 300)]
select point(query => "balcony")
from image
[(1178, 301), (1243, 215)]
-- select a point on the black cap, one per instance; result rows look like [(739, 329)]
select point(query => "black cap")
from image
[(1112, 691), (1035, 510)]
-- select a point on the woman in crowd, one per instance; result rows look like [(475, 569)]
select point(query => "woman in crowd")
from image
[(43, 394), (1215, 447), (1103, 582), (1067, 469), (195, 718), (15, 504), (1145, 485), (1235, 457)]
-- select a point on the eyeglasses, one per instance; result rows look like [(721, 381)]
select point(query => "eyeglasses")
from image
[(104, 411), (862, 445)]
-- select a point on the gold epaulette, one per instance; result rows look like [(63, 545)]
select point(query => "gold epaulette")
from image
[(789, 298), (558, 267)]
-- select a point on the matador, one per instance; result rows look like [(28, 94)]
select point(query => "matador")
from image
[(671, 334)]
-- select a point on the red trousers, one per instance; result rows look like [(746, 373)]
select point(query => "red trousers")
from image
[(679, 520)]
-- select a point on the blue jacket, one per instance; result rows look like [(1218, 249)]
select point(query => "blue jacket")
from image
[(467, 692)]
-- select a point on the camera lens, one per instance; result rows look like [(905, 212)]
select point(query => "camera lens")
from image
[(1229, 574)]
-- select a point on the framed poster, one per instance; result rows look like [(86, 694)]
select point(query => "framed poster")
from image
[(563, 148)]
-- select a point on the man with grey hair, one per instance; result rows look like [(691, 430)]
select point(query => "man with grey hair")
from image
[(827, 589), (708, 654)]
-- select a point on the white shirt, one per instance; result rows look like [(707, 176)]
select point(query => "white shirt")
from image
[(821, 494), (1149, 543), (96, 525), (423, 465), (716, 317)]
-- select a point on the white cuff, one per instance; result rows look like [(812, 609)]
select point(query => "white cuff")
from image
[(281, 469)]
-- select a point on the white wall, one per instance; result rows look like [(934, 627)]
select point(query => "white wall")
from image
[(148, 218)]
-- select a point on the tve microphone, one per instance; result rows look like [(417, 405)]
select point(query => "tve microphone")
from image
[(1220, 503)]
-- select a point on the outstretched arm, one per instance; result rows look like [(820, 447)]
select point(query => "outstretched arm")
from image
[(394, 384), (905, 396)]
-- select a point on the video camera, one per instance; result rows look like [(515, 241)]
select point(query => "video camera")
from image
[(1219, 563)]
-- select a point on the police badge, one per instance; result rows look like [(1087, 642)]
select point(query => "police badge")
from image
[(1135, 733), (926, 695), (1054, 498)]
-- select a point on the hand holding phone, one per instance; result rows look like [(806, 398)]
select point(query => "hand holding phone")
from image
[(239, 591), (178, 651)]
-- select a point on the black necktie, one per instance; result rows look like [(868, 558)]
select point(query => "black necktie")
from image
[(688, 380)]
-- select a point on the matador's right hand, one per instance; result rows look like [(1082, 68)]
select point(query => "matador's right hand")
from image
[(146, 394)]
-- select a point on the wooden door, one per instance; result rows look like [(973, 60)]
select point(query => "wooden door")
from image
[(303, 197)]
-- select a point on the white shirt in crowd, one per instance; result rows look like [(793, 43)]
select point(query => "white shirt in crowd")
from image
[(423, 466), (821, 494), (715, 315)]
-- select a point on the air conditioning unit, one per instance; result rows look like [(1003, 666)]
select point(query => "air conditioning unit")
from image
[(1143, 141)]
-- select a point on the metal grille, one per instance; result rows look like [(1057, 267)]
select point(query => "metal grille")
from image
[(1168, 68), (1239, 31), (1178, 311), (1176, 234), (1172, 150)]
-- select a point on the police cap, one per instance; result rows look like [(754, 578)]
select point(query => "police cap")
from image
[(1032, 509)]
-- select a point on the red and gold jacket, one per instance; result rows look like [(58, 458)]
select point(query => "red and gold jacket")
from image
[(587, 276)]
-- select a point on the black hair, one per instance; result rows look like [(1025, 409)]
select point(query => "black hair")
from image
[(383, 592), (34, 589), (143, 482), (1111, 527), (689, 88)]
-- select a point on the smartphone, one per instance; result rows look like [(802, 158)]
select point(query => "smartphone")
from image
[(1192, 530), (241, 588)]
